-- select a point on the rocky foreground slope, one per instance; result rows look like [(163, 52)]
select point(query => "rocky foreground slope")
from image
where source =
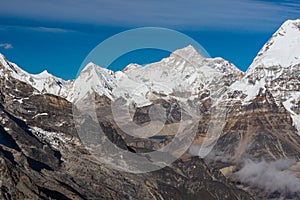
[(246, 127)]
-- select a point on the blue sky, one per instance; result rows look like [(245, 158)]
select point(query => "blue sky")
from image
[(57, 35)]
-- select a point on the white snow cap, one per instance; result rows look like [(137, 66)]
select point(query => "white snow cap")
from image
[(92, 79), (283, 49)]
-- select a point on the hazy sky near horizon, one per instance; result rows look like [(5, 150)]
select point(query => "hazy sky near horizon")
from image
[(57, 35)]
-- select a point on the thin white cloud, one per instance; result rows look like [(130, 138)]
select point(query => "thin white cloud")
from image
[(6, 45), (49, 29), (36, 28)]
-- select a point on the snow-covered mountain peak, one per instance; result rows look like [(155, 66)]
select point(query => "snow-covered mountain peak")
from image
[(93, 69), (187, 53), (9, 67), (43, 75), (283, 49), (290, 24), (278, 59), (92, 79), (131, 67), (90, 67), (221, 65), (185, 71), (3, 61), (275, 69)]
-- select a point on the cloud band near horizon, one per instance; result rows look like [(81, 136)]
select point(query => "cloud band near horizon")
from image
[(206, 14)]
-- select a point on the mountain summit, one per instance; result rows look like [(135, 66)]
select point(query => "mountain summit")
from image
[(276, 69), (282, 49)]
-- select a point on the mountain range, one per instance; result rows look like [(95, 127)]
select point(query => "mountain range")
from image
[(247, 135)]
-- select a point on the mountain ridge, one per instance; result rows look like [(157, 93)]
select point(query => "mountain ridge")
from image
[(184, 70)]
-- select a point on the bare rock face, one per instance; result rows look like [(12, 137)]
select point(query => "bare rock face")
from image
[(260, 129)]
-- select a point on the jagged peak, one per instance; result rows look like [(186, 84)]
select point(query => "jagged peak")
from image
[(94, 68), (223, 66), (2, 56), (282, 49), (188, 48), (4, 61), (291, 23), (131, 67), (89, 67), (43, 74), (187, 52), (12, 68)]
